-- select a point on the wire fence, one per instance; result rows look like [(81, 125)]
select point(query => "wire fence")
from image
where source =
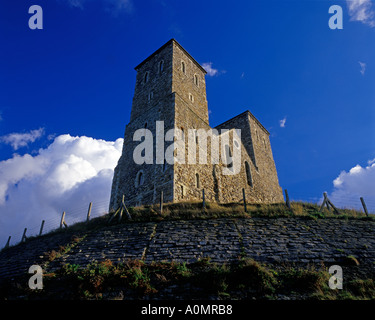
[(53, 222), (79, 214), (347, 201)]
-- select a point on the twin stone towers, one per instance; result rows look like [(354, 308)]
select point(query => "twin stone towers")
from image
[(170, 148)]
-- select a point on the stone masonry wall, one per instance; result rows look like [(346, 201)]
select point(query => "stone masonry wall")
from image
[(183, 83), (156, 177), (286, 240), (176, 95), (256, 151), (146, 110)]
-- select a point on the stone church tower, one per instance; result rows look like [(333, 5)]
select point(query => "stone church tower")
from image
[(170, 87)]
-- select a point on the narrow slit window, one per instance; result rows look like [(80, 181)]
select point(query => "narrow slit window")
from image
[(197, 180), (140, 179), (196, 80), (161, 66), (248, 174), (146, 77), (183, 68)]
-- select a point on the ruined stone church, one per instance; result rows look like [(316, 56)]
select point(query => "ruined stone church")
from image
[(170, 87)]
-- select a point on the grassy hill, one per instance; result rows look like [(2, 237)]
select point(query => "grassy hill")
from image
[(195, 210), (203, 279)]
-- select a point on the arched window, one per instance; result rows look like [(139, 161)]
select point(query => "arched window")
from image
[(196, 80), (248, 174), (236, 144), (145, 125), (161, 66), (145, 79), (228, 156), (139, 179), (197, 180), (183, 68)]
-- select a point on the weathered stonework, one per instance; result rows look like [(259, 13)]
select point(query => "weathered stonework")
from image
[(170, 87), (279, 240)]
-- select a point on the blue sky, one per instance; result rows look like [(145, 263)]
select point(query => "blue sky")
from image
[(310, 86)]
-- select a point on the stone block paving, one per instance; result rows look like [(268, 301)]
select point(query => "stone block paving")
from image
[(189, 241), (17, 260), (307, 241), (273, 240), (294, 240), (345, 238), (116, 243)]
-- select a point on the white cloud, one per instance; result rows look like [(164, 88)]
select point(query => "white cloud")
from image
[(67, 175), (282, 122), (363, 67), (210, 70), (357, 182), (362, 11), (17, 140)]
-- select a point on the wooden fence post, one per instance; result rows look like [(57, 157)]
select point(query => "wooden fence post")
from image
[(327, 202), (122, 208), (24, 235), (114, 214), (287, 199), (327, 205), (89, 212), (120, 214), (364, 206), (161, 202), (333, 207), (62, 221), (324, 201), (126, 209), (41, 228), (244, 199), (204, 199)]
